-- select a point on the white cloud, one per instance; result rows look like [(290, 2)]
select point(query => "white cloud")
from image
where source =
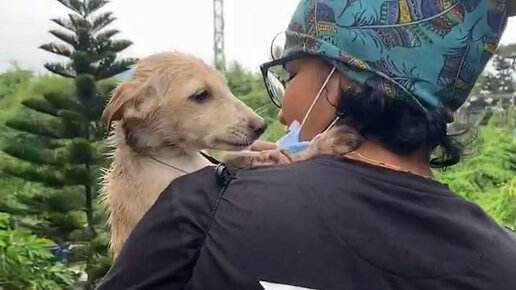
[(157, 25), (153, 26)]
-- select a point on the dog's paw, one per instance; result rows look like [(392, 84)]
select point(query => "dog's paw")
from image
[(272, 157), (244, 159), (240, 159), (339, 140)]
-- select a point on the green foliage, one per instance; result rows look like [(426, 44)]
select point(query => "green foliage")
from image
[(489, 177), (54, 149), (14, 85), (501, 204), (54, 137), (249, 88), (11, 80), (27, 263), (274, 132)]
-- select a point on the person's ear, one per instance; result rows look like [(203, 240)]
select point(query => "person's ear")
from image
[(345, 85), (332, 92)]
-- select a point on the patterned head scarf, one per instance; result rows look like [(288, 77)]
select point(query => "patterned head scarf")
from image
[(427, 51)]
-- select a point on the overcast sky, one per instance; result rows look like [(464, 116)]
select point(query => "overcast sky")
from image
[(156, 26)]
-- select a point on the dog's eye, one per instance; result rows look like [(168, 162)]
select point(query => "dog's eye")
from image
[(201, 96)]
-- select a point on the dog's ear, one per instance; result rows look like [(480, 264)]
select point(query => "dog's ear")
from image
[(123, 96), (113, 110), (131, 93)]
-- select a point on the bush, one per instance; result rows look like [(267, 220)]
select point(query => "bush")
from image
[(27, 263)]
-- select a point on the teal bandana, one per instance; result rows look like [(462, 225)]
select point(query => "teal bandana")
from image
[(430, 51)]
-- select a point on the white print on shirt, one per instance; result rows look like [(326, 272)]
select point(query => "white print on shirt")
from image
[(274, 286)]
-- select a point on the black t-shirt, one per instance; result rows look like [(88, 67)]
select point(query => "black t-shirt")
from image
[(325, 223)]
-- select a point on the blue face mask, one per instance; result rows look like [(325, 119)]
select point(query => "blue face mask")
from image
[(291, 141)]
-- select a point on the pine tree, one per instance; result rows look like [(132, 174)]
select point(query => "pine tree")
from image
[(505, 68), (58, 141)]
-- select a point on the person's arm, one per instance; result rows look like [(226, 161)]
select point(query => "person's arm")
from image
[(162, 250)]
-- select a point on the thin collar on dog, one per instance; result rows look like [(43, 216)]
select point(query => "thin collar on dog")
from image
[(168, 165), (208, 157)]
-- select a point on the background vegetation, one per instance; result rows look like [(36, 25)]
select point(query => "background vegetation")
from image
[(52, 229), (487, 178)]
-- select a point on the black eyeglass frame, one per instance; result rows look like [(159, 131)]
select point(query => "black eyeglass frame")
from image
[(264, 68)]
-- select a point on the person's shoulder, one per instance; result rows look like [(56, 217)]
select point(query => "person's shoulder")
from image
[(322, 171), (206, 174), (296, 170), (204, 179), (298, 178), (168, 238), (207, 182), (198, 190)]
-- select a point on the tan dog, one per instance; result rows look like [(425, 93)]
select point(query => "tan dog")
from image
[(172, 106)]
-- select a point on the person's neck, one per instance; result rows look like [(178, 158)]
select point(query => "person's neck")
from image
[(417, 163)]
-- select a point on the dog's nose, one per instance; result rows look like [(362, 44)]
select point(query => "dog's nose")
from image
[(258, 126)]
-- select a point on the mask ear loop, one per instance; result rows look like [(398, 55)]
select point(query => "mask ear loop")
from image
[(332, 123), (317, 97), (337, 118), (330, 126)]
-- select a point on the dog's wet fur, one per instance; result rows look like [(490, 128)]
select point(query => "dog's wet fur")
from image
[(173, 106)]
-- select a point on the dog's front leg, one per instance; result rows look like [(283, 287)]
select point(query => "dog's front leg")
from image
[(247, 158), (339, 140)]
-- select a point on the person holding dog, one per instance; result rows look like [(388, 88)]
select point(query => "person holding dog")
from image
[(375, 218)]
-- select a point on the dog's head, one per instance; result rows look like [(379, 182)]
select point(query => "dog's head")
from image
[(175, 100)]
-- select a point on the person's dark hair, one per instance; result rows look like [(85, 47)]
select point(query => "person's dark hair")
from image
[(398, 126)]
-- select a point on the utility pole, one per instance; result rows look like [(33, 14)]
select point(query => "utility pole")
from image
[(218, 35)]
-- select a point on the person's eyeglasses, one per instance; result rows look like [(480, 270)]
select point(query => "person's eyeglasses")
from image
[(276, 78)]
